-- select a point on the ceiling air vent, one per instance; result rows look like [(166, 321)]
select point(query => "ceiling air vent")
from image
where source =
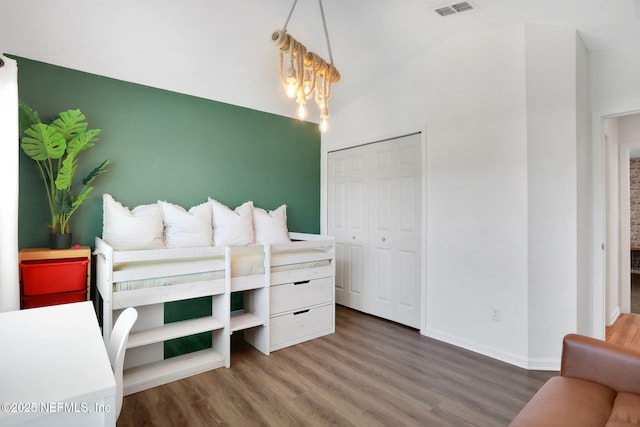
[(445, 11), (454, 8), (461, 7)]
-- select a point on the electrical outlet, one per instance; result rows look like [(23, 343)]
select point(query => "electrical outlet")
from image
[(495, 314)]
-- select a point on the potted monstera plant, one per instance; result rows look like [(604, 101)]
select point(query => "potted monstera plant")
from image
[(55, 147)]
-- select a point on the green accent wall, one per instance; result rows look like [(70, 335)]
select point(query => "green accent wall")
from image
[(169, 146)]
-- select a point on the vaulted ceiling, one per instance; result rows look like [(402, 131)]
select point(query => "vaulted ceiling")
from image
[(222, 50)]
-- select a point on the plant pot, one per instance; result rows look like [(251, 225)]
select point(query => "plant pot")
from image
[(59, 241)]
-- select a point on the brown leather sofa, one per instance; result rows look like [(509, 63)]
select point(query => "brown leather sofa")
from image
[(599, 385)]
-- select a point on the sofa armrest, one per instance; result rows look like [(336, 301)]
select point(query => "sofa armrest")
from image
[(604, 363)]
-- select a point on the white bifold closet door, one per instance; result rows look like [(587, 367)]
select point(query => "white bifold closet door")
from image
[(374, 205)]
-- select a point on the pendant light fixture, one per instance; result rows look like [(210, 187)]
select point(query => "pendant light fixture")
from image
[(307, 74)]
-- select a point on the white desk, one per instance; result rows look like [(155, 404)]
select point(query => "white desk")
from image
[(54, 368)]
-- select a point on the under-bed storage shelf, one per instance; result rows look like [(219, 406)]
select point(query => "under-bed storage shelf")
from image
[(173, 369), (149, 278), (160, 372), (254, 318), (174, 330), (241, 321), (255, 311)]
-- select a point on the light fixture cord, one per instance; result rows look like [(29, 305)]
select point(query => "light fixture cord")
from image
[(326, 33), (324, 25), (289, 17)]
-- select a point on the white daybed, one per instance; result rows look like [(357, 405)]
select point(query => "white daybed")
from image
[(288, 298)]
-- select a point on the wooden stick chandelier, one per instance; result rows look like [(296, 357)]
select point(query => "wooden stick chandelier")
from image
[(307, 72)]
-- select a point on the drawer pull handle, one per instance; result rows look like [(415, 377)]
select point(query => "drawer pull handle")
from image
[(301, 312), (304, 282)]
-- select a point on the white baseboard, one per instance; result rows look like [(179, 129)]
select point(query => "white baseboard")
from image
[(614, 316), (551, 364)]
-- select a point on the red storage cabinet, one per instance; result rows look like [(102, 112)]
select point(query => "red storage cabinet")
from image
[(49, 277)]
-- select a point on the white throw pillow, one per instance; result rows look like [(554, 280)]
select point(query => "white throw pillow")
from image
[(187, 229), (139, 228), (232, 227), (271, 227)]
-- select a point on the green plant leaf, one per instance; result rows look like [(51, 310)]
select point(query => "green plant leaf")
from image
[(83, 141), (62, 204), (70, 123), (99, 170), (43, 142), (82, 197), (66, 172), (28, 117)]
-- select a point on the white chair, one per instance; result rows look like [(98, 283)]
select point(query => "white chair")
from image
[(117, 347)]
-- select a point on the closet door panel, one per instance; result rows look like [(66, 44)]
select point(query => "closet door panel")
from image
[(379, 299), (408, 232), (338, 214), (394, 230), (337, 220), (348, 222), (407, 308), (355, 279), (381, 296)]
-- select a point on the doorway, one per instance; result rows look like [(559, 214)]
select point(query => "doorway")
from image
[(622, 217), (634, 217), (634, 223)]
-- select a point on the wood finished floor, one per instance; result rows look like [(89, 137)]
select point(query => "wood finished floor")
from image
[(371, 372), (635, 293), (625, 331)]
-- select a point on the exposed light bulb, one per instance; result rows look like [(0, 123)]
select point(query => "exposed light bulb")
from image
[(324, 117), (292, 83), (302, 110), (291, 89), (324, 125)]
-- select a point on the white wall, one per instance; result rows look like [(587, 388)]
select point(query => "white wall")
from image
[(500, 112), (614, 91), (585, 185), (476, 196), (552, 183)]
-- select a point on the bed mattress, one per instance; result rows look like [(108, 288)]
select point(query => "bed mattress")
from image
[(242, 265)]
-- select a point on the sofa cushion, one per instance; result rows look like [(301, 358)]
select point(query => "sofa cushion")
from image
[(626, 411), (565, 402)]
